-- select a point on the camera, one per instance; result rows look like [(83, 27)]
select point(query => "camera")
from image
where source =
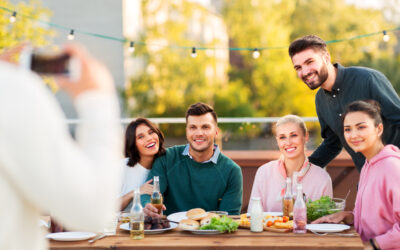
[(46, 62)]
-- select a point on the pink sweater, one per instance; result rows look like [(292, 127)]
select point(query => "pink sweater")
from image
[(377, 209), (269, 184)]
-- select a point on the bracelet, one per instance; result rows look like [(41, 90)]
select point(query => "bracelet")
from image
[(373, 244)]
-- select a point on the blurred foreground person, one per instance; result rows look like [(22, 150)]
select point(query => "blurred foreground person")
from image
[(42, 169), (376, 215)]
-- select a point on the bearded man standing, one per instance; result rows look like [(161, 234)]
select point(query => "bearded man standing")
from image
[(197, 175), (339, 87)]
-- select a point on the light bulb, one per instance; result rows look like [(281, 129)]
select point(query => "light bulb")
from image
[(13, 17), (256, 53), (194, 54), (385, 37), (71, 35), (131, 48)]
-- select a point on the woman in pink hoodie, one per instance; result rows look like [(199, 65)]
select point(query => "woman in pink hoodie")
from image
[(269, 183), (376, 215)]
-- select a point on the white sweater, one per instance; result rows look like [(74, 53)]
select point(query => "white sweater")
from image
[(43, 170)]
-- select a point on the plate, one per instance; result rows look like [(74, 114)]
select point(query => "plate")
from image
[(125, 226), (70, 236), (327, 228), (177, 216), (198, 231), (269, 213)]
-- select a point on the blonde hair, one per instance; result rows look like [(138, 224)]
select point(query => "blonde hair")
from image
[(292, 119)]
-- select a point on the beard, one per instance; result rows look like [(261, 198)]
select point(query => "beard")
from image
[(322, 75)]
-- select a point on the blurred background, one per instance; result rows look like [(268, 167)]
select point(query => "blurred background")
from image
[(147, 45)]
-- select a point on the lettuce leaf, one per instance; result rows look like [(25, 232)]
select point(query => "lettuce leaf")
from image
[(223, 224)]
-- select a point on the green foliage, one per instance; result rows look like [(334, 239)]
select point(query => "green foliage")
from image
[(24, 29)]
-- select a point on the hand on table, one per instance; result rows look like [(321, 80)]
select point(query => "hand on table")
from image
[(344, 216)]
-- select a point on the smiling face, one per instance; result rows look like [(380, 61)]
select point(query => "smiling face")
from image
[(201, 131), (360, 132), (147, 141), (291, 140), (311, 67)]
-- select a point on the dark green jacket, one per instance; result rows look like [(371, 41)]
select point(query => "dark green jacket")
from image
[(351, 84)]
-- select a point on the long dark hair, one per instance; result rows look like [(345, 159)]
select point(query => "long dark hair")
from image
[(131, 150)]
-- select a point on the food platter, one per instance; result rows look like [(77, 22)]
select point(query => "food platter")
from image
[(125, 226)]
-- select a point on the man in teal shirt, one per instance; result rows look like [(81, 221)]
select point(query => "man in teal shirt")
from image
[(197, 175)]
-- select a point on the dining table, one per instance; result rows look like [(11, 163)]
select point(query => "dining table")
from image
[(178, 239)]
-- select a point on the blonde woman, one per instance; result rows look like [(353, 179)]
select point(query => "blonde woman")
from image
[(269, 184)]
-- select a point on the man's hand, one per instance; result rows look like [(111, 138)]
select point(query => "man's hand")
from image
[(152, 211)]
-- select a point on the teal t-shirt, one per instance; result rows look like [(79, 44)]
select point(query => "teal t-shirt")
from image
[(187, 184)]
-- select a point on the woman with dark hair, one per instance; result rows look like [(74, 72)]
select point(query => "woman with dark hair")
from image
[(376, 215), (143, 143)]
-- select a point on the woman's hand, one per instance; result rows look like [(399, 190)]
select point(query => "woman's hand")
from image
[(345, 216), (147, 188)]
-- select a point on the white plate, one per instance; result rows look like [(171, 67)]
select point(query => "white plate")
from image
[(125, 226), (270, 213), (204, 231), (177, 216), (327, 228), (70, 236)]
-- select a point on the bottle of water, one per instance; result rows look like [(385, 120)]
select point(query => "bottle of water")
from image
[(137, 218), (299, 212), (256, 214)]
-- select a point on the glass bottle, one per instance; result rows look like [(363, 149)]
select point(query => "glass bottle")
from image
[(287, 200), (256, 214), (294, 184), (156, 198), (299, 212), (137, 218)]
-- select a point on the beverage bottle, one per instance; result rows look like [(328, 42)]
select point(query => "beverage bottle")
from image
[(294, 185), (137, 218), (256, 214), (287, 200), (156, 198), (299, 212)]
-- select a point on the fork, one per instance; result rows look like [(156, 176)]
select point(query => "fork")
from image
[(98, 237), (340, 234)]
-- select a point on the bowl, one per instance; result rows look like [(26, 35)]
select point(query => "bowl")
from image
[(220, 213), (324, 206)]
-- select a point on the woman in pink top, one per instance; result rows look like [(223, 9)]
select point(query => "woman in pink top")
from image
[(376, 215), (269, 183)]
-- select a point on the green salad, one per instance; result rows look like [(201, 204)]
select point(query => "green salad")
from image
[(223, 224), (316, 209)]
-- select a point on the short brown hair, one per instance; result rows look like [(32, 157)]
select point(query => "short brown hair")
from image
[(200, 108), (306, 42)]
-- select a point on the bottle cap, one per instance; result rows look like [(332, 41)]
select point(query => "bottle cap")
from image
[(256, 198)]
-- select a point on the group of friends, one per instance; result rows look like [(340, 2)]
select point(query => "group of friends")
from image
[(42, 169), (358, 109)]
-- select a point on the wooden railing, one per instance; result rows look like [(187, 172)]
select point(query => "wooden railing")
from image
[(343, 173)]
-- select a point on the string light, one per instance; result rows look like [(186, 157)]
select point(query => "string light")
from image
[(71, 35), (194, 54), (13, 17), (256, 53), (386, 37), (131, 48)]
